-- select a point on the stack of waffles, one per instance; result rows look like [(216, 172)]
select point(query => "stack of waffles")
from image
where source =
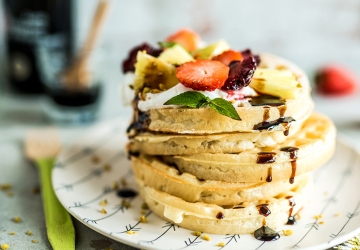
[(207, 172)]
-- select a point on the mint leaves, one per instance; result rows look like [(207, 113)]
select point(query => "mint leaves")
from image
[(197, 100)]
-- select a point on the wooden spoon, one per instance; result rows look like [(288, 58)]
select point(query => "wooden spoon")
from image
[(77, 76)]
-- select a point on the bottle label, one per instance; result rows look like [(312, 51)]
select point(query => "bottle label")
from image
[(30, 26)]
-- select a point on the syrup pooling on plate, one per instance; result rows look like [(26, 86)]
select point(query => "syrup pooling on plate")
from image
[(265, 233), (127, 193)]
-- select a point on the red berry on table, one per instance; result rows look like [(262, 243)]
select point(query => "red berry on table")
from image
[(228, 56), (335, 80), (203, 74), (188, 38)]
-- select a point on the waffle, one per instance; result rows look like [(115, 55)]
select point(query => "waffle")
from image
[(155, 174), (208, 121), (180, 144), (211, 218), (315, 143)]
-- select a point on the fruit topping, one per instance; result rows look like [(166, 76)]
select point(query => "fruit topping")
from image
[(153, 73), (280, 83), (203, 74), (129, 63), (228, 56), (176, 55), (240, 74), (189, 39), (247, 53), (211, 50), (335, 80)]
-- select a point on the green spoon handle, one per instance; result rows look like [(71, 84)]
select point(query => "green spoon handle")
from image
[(59, 226)]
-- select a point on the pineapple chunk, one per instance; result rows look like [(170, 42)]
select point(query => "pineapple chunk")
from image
[(261, 72), (280, 83), (153, 73), (211, 50), (176, 55)]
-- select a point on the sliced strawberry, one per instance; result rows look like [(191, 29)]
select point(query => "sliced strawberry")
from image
[(228, 56), (187, 38), (336, 80), (203, 74)]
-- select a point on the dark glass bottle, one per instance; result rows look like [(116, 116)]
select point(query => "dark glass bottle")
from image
[(28, 22)]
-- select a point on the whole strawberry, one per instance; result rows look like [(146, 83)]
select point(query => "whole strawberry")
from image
[(335, 80)]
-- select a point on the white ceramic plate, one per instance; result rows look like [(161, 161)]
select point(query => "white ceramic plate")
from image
[(86, 171)]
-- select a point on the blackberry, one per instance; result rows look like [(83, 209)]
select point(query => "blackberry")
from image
[(129, 63)]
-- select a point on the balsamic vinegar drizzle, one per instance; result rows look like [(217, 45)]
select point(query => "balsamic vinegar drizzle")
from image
[(267, 102), (126, 193), (265, 157), (293, 156), (220, 216), (265, 233), (266, 114), (291, 219), (286, 121), (263, 209), (238, 207), (269, 176)]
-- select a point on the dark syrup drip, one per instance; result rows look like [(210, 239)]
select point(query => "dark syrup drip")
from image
[(127, 193), (266, 100), (272, 124), (220, 216), (282, 110), (238, 207), (265, 233), (263, 209), (293, 172), (269, 176), (132, 153), (265, 157), (286, 127), (271, 101), (291, 219), (266, 115), (140, 121), (293, 156)]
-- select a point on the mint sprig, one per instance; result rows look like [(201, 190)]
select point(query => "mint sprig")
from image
[(194, 99)]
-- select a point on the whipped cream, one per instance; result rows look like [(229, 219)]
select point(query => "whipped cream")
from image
[(157, 100)]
